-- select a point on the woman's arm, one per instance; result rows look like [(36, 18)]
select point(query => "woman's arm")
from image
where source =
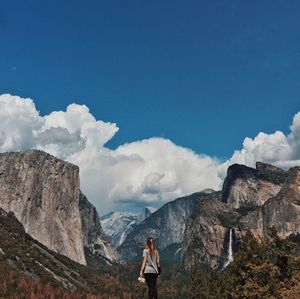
[(143, 265), (157, 259)]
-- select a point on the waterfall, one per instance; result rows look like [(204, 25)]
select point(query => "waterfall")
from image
[(229, 255)]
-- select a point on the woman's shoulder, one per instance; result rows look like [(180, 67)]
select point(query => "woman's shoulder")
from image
[(145, 251)]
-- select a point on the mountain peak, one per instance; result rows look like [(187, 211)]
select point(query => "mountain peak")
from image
[(117, 225), (208, 191), (151, 209), (252, 186), (166, 225), (146, 212)]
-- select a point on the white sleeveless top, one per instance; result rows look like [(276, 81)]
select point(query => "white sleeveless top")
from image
[(151, 263)]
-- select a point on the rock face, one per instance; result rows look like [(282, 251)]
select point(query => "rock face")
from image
[(166, 226), (204, 234), (255, 200), (93, 235), (28, 258), (146, 212), (252, 187), (117, 225), (43, 193), (281, 211)]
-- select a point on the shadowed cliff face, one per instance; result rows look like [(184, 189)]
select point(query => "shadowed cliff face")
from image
[(255, 200), (93, 236), (166, 226), (204, 234), (43, 193), (281, 211), (248, 186)]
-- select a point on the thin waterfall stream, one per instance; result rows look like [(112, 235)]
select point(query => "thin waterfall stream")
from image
[(230, 254)]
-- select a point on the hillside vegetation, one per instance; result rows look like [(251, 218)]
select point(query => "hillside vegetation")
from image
[(266, 269), (29, 269)]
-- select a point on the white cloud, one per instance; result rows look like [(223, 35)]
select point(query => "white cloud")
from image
[(78, 120), (166, 171), (276, 148), (150, 171), (147, 172), (19, 122)]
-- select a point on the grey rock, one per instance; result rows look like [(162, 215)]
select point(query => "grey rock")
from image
[(166, 226), (255, 200), (248, 186), (43, 193), (117, 225), (281, 211), (204, 234), (94, 237), (146, 212)]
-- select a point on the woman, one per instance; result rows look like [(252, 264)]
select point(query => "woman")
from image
[(150, 266)]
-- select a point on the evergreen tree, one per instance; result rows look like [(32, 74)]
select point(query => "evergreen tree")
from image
[(261, 269)]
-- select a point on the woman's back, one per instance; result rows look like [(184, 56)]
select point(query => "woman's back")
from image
[(151, 262)]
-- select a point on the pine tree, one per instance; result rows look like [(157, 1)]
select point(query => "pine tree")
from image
[(205, 284), (261, 269)]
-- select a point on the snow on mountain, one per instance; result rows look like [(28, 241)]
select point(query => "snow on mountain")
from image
[(117, 225)]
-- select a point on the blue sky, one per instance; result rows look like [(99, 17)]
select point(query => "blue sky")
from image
[(204, 74)]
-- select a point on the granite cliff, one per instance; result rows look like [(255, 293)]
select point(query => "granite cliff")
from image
[(43, 193), (166, 226), (248, 186), (117, 225), (94, 238), (252, 199)]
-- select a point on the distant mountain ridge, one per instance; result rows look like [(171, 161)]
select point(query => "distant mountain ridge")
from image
[(146, 212), (166, 226), (117, 225), (95, 238)]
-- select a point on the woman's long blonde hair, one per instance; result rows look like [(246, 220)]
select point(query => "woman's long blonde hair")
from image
[(151, 246)]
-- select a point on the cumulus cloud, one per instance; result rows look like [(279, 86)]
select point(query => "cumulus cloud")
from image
[(150, 171), (277, 148), (60, 133), (19, 122), (146, 172)]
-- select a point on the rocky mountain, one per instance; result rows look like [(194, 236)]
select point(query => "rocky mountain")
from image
[(146, 212), (248, 186), (253, 199), (43, 193), (205, 237), (117, 225), (94, 237), (24, 252), (28, 269), (166, 226)]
